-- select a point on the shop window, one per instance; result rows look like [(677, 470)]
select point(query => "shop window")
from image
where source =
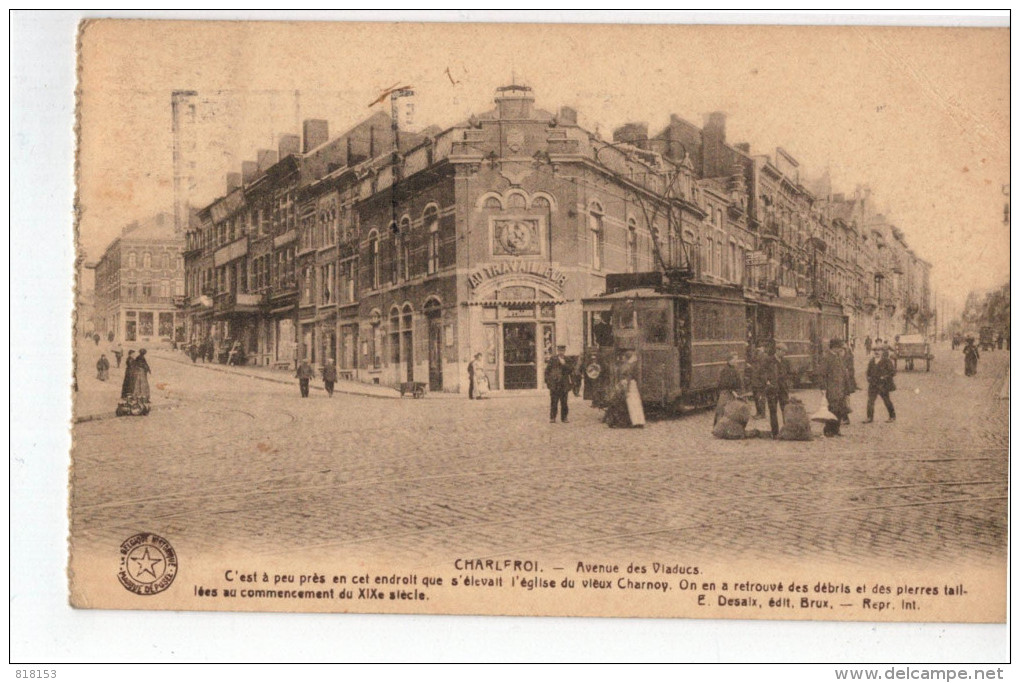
[(145, 324)]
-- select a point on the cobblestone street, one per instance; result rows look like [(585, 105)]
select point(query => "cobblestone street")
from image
[(227, 459)]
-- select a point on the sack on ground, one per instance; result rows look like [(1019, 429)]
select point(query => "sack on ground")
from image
[(728, 429), (738, 411), (796, 424)]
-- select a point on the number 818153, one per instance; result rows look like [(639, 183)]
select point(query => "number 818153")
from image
[(35, 673)]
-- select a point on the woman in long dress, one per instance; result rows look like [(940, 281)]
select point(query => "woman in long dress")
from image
[(129, 376), (140, 383), (481, 380)]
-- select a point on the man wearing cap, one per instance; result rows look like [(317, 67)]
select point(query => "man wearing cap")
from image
[(559, 377), (834, 382)]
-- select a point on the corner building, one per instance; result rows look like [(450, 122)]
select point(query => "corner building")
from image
[(485, 238)]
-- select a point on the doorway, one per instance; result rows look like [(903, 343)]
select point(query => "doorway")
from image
[(435, 350), (520, 370)]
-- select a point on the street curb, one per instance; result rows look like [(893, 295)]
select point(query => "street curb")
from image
[(274, 379)]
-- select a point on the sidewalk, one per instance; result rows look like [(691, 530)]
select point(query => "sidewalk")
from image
[(280, 376)]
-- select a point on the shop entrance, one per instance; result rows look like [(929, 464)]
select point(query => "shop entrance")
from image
[(520, 368), (435, 351)]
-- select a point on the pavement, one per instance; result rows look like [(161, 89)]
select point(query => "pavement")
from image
[(229, 461)]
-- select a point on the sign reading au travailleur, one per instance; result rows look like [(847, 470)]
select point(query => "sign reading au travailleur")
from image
[(494, 270)]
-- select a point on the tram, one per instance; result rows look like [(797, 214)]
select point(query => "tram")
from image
[(682, 332)]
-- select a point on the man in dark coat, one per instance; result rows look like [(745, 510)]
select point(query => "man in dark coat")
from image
[(559, 377), (304, 375), (329, 376), (834, 382), (880, 382), (775, 374)]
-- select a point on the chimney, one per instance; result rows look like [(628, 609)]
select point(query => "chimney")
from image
[(635, 133), (289, 144), (266, 158), (514, 101), (233, 182), (249, 169), (715, 126), (568, 115), (744, 147), (316, 133)]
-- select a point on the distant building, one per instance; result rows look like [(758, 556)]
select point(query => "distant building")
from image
[(138, 282)]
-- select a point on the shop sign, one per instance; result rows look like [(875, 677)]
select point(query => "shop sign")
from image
[(537, 268)]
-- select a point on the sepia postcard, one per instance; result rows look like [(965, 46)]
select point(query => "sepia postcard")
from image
[(542, 319)]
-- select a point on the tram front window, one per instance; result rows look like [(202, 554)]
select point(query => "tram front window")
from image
[(654, 325)]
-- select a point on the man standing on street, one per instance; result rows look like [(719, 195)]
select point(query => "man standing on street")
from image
[(834, 382), (560, 380), (880, 383), (329, 376), (304, 375)]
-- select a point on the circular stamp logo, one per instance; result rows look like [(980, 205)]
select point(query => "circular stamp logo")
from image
[(148, 564)]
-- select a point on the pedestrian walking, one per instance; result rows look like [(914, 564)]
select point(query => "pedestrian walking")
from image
[(473, 374), (140, 378), (880, 383), (998, 342), (193, 351), (304, 375), (970, 357), (118, 354), (867, 344), (834, 384), (129, 375), (559, 378), (329, 376), (731, 385), (103, 368)]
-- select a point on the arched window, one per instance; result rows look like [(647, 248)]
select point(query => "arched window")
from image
[(431, 222), (407, 318), (493, 204), (404, 254), (132, 262), (632, 242), (540, 203), (147, 260), (595, 226), (517, 201)]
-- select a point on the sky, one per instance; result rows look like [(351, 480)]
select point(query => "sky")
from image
[(921, 115)]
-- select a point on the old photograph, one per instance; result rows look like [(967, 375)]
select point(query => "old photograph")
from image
[(691, 321)]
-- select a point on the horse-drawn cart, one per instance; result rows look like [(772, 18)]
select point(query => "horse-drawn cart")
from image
[(913, 347)]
